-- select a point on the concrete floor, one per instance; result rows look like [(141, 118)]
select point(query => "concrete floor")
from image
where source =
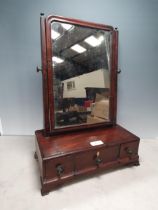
[(132, 188)]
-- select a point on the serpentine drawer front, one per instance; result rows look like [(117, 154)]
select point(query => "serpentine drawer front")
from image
[(92, 159), (59, 167), (89, 160), (129, 149)]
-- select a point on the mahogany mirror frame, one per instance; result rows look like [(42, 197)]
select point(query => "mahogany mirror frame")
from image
[(47, 73)]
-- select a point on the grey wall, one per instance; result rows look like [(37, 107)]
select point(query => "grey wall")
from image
[(21, 86)]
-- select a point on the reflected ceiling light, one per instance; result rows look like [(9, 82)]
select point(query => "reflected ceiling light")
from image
[(78, 48), (100, 39), (66, 26), (93, 41), (57, 59), (54, 34)]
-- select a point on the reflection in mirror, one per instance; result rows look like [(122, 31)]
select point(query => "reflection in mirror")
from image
[(81, 74)]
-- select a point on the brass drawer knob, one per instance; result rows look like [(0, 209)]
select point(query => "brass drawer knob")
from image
[(59, 169), (98, 159), (129, 151)]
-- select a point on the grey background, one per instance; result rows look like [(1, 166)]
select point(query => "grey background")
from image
[(21, 86)]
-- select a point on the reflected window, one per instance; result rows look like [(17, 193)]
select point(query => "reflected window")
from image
[(71, 85)]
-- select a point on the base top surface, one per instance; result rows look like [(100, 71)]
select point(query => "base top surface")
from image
[(68, 143)]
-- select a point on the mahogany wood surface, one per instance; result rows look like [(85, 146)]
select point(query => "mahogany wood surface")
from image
[(44, 75)]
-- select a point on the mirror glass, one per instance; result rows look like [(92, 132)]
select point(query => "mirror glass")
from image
[(81, 62)]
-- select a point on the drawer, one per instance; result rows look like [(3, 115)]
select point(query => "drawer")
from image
[(59, 167), (129, 149), (92, 159)]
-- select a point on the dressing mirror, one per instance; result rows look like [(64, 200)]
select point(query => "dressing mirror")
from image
[(80, 134), (81, 74)]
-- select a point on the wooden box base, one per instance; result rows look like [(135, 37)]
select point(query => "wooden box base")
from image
[(64, 157)]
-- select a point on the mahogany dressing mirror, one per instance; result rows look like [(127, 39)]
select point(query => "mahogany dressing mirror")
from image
[(79, 71)]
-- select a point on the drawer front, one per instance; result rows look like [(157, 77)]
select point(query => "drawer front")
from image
[(92, 159), (59, 167), (129, 149)]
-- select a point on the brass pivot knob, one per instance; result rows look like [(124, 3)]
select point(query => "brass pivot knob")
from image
[(119, 71), (38, 69), (60, 169)]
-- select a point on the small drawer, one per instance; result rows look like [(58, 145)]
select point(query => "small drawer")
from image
[(59, 167), (129, 149), (90, 160)]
